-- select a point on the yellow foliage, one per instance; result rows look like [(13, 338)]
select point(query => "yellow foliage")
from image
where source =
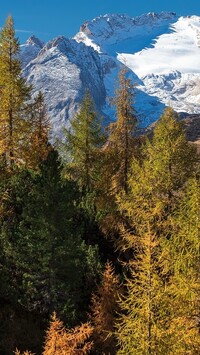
[(104, 308), (61, 341), (17, 352), (121, 139), (14, 93)]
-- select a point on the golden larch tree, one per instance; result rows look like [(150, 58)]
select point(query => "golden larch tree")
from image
[(14, 93), (184, 256), (153, 306), (104, 307), (61, 341), (121, 139)]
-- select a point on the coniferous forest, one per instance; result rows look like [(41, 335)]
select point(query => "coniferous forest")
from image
[(99, 233)]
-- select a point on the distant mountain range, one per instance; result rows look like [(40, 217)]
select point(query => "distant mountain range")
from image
[(161, 51)]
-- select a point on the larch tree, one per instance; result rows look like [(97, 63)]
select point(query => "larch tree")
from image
[(184, 257), (104, 307), (61, 341), (155, 188), (170, 159), (142, 326), (14, 93), (121, 140), (117, 154), (17, 352)]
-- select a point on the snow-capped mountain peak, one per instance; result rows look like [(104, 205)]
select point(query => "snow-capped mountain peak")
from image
[(113, 28), (34, 41), (30, 49), (161, 51)]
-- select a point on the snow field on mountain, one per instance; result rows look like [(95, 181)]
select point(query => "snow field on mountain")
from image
[(178, 50), (161, 50)]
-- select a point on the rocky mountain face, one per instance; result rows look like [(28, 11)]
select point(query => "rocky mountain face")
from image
[(63, 70), (30, 50), (112, 29), (161, 51)]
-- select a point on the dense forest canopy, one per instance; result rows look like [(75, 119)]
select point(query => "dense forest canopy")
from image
[(99, 238)]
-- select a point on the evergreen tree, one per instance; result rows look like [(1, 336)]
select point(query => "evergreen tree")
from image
[(43, 244), (82, 143), (82, 164), (14, 93), (39, 146)]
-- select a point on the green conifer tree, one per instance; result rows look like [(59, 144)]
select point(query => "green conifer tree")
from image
[(83, 140), (39, 146), (48, 261)]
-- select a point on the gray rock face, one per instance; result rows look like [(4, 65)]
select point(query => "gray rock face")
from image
[(63, 70), (30, 50)]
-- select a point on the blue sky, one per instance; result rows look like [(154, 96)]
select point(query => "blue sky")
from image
[(50, 18)]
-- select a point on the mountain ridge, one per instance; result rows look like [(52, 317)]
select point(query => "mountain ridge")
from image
[(156, 48)]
